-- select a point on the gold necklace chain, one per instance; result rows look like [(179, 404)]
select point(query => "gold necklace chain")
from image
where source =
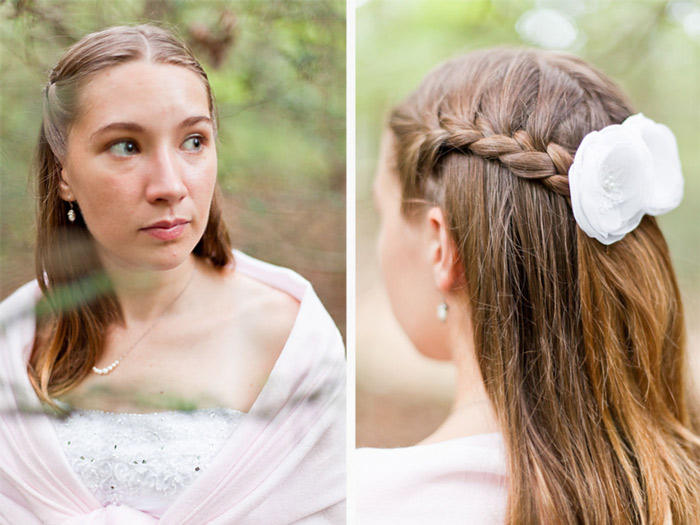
[(110, 368)]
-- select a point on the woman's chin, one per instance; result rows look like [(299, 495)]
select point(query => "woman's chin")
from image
[(169, 260), (162, 259), (437, 354), (431, 341)]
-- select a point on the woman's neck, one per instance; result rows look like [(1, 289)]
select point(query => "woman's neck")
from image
[(144, 294), (472, 412)]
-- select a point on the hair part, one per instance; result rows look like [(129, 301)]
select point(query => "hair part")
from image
[(79, 305), (582, 355)]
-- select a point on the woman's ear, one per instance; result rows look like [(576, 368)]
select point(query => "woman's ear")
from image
[(443, 252), (64, 188)]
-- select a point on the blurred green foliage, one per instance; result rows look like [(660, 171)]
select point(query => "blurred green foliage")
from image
[(277, 69), (651, 48)]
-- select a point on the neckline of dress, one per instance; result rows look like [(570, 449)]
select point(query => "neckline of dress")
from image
[(227, 410)]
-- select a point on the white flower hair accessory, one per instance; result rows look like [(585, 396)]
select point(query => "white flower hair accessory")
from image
[(621, 173)]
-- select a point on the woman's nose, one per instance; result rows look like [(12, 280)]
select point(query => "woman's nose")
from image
[(165, 177)]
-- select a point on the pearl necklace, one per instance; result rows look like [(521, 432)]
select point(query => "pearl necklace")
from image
[(109, 368)]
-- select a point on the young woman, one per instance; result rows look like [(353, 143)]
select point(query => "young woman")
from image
[(517, 191), (140, 307)]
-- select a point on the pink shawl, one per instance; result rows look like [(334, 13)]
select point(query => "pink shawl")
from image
[(454, 482), (284, 464)]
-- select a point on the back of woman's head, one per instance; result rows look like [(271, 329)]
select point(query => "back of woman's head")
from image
[(68, 269), (580, 345)]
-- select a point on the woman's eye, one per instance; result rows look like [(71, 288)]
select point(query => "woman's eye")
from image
[(193, 143), (124, 148)]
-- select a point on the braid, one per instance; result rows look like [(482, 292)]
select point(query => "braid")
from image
[(517, 153), (531, 134)]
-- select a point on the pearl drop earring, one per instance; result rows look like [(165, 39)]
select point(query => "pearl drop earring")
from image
[(442, 311), (71, 213)]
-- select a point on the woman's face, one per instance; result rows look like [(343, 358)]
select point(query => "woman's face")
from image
[(141, 164), (404, 247)]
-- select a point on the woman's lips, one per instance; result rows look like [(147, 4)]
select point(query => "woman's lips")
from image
[(165, 230)]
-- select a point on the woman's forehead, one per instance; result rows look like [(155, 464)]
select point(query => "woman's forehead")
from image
[(142, 91)]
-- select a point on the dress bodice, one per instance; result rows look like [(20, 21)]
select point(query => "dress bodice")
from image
[(143, 461)]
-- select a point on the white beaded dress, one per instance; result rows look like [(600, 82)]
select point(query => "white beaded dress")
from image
[(143, 461)]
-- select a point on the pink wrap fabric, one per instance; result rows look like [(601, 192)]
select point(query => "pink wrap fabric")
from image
[(285, 463), (456, 482)]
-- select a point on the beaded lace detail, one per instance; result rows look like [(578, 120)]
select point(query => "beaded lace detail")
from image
[(143, 460)]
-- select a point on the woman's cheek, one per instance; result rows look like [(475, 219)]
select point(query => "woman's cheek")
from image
[(385, 256), (393, 270), (202, 183)]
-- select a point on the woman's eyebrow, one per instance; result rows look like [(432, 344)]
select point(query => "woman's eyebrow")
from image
[(123, 126), (191, 121), (137, 128)]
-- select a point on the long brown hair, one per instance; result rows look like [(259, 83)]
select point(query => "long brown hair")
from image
[(79, 304), (581, 346)]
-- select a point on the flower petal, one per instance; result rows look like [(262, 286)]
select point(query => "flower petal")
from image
[(667, 181)]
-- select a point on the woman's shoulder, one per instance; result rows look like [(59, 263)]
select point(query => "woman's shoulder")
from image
[(457, 481), (22, 298), (17, 328), (274, 276), (268, 313), (478, 452), (256, 302), (19, 306)]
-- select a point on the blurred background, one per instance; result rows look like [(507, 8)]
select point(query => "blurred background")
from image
[(650, 47), (277, 69)]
